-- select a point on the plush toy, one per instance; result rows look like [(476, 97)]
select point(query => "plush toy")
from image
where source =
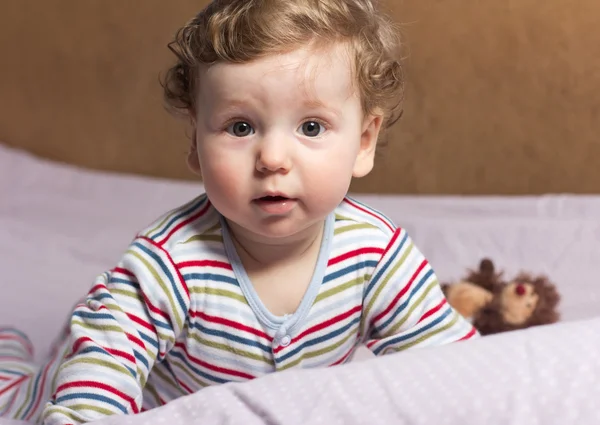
[(494, 305)]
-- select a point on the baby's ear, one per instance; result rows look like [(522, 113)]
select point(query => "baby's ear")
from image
[(193, 160), (368, 144)]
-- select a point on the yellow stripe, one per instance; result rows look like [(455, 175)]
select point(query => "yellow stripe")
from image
[(167, 291), (220, 292), (168, 218), (27, 400), (193, 377), (423, 337), (204, 238), (97, 362), (412, 308), (234, 351), (340, 288), (389, 275), (316, 353), (350, 227)]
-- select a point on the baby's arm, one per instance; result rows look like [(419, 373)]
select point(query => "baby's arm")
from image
[(404, 306), (129, 320)]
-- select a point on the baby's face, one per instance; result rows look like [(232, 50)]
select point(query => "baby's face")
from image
[(279, 139)]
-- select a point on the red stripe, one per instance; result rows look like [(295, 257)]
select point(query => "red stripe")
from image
[(141, 322), (19, 338), (371, 213), (118, 353), (17, 382), (230, 323), (136, 340), (469, 335), (205, 263), (343, 359), (433, 310), (123, 271), (42, 385), (402, 292), (323, 325), (99, 286), (183, 223), (177, 272), (355, 253), (156, 310), (100, 386), (213, 367)]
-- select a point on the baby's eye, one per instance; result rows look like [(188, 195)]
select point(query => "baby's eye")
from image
[(240, 129), (312, 129)]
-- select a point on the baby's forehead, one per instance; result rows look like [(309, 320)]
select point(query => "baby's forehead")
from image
[(308, 71)]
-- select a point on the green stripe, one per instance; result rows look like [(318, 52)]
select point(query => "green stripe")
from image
[(158, 372), (389, 275), (412, 308), (97, 362), (234, 351), (27, 399), (340, 288), (162, 284), (351, 227), (204, 238), (168, 218), (193, 377), (424, 337), (220, 292), (316, 353)]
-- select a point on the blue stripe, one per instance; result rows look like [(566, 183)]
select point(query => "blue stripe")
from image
[(375, 279), (320, 339), (93, 315), (349, 269), (35, 391), (400, 338), (184, 213), (402, 306), (231, 337), (166, 271), (213, 277), (175, 353), (127, 282), (14, 372), (149, 340), (91, 396)]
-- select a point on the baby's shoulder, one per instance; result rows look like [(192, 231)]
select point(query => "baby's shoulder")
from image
[(354, 216), (195, 220)]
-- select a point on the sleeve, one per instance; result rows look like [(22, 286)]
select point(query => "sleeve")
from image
[(129, 320), (404, 306)]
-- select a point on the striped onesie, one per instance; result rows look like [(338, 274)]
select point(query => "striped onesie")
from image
[(179, 313)]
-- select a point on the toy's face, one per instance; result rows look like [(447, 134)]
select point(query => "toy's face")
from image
[(519, 301)]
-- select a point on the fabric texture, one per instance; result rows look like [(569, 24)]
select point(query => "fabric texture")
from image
[(173, 316)]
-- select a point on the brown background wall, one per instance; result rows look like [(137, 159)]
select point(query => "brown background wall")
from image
[(503, 96)]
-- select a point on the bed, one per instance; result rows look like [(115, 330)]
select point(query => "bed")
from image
[(59, 218)]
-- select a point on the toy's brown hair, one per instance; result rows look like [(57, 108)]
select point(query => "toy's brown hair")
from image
[(489, 320), (238, 31)]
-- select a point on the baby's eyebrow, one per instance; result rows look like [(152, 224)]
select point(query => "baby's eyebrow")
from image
[(318, 104)]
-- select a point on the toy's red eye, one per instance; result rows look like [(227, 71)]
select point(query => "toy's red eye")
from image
[(520, 289)]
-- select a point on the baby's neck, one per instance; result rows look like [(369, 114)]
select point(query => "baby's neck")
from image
[(265, 253)]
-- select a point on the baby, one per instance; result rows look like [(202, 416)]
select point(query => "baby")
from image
[(274, 267)]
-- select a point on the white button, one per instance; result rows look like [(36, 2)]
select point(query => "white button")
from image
[(285, 341)]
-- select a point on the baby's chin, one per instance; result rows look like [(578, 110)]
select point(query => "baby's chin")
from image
[(278, 230)]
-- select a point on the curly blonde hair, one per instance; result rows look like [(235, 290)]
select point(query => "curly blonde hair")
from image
[(238, 31)]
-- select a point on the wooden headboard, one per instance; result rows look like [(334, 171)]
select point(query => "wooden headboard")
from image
[(503, 96)]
